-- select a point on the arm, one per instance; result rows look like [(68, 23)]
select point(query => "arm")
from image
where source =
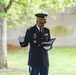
[(47, 45), (26, 39)]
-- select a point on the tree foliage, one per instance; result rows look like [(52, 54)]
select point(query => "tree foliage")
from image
[(20, 12), (4, 3)]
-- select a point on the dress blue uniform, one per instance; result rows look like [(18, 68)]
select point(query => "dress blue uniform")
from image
[(38, 57)]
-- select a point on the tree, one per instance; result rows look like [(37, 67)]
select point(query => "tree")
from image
[(14, 13), (22, 11), (3, 36)]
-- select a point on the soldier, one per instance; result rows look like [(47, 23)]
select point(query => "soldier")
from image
[(39, 39)]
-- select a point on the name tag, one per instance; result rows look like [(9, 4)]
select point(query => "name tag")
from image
[(34, 41), (46, 34)]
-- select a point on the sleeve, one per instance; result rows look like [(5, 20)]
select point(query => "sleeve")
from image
[(49, 36), (26, 39), (47, 45)]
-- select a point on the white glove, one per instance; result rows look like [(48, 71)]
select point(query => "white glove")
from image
[(47, 47), (21, 39)]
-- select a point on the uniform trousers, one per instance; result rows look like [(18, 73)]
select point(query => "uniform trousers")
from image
[(38, 70)]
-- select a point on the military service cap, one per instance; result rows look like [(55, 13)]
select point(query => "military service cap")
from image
[(41, 17)]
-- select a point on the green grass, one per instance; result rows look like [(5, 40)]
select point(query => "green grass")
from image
[(18, 58), (62, 61)]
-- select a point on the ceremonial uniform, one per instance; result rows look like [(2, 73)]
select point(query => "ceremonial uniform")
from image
[(38, 55)]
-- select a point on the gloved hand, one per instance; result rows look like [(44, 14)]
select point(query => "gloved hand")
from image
[(21, 39), (47, 47)]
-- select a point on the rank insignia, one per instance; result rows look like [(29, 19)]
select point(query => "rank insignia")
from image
[(29, 28), (34, 35)]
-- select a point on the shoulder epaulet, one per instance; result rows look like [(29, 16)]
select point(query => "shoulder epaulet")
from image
[(46, 28), (29, 28)]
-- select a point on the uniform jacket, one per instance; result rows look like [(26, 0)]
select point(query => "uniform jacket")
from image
[(38, 57)]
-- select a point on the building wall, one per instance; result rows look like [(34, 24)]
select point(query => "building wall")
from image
[(66, 19)]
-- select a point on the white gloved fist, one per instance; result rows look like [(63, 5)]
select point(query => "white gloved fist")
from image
[(21, 39)]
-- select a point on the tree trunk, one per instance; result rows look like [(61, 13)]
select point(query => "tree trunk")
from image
[(3, 41)]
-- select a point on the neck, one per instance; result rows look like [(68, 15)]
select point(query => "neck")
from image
[(39, 26)]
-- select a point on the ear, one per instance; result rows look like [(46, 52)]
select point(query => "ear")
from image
[(37, 21)]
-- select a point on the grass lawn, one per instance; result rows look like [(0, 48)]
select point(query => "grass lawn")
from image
[(62, 61)]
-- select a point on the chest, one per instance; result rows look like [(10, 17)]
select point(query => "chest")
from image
[(40, 36)]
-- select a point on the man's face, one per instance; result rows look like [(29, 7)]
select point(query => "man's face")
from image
[(40, 24)]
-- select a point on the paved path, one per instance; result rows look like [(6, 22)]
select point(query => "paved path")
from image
[(13, 70)]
